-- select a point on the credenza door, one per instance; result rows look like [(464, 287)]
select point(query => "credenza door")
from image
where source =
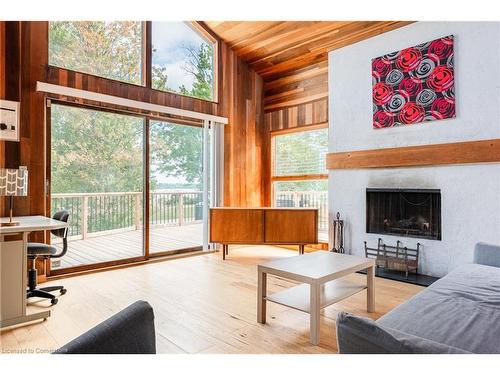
[(291, 226), (233, 226)]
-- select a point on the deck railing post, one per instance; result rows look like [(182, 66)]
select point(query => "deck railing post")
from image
[(180, 209), (137, 211), (296, 200), (85, 216)]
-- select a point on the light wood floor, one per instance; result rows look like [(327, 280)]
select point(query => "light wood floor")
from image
[(128, 244), (202, 305)]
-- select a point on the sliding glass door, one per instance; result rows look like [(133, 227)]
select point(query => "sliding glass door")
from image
[(97, 174), (98, 166), (176, 187)]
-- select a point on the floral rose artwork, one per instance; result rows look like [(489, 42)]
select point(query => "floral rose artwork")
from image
[(414, 85)]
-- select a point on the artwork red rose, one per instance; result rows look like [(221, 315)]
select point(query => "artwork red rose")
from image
[(382, 93), (440, 79), (442, 48), (383, 119), (411, 86), (409, 59), (380, 67), (411, 113), (443, 108), (414, 85)]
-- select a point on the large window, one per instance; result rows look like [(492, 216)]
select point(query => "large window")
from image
[(183, 60), (182, 57), (299, 173), (107, 49)]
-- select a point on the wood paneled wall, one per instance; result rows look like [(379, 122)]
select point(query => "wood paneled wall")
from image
[(2, 95), (298, 87), (10, 88), (246, 149), (83, 81), (298, 99), (2, 59), (240, 99), (302, 115)]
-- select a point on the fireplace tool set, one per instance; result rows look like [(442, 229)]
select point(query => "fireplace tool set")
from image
[(338, 235)]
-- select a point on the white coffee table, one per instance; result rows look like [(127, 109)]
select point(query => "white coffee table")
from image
[(321, 276)]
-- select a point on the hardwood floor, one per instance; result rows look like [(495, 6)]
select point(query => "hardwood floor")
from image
[(202, 305)]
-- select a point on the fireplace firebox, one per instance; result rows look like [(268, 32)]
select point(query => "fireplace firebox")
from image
[(404, 212)]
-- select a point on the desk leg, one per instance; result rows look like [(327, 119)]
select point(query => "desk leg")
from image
[(224, 252), (261, 296), (301, 249), (315, 308), (370, 291)]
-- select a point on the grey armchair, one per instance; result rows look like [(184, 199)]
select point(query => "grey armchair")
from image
[(130, 331)]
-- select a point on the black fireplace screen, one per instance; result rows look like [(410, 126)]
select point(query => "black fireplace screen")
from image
[(407, 213)]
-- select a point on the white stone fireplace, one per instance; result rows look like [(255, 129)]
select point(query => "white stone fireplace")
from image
[(470, 194)]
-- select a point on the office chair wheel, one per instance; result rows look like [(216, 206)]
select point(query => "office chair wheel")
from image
[(63, 291), (53, 301)]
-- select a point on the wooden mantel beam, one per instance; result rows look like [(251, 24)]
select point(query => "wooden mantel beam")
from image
[(486, 151)]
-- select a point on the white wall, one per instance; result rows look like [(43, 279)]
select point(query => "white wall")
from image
[(470, 193)]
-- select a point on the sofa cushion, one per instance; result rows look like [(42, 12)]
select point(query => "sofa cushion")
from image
[(462, 310), (487, 254), (357, 335)]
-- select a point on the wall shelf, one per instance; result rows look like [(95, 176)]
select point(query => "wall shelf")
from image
[(485, 151)]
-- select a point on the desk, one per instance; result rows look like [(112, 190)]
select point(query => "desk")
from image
[(13, 268)]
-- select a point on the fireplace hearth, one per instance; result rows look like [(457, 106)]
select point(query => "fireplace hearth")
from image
[(404, 212)]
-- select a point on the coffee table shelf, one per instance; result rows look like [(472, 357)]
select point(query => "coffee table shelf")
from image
[(298, 297)]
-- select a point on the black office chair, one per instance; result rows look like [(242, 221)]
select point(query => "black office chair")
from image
[(36, 250)]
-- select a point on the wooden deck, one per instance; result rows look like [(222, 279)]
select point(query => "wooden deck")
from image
[(128, 244)]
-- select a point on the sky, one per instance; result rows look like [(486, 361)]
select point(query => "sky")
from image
[(168, 39)]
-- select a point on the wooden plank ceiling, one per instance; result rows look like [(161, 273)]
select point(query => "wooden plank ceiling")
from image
[(292, 56)]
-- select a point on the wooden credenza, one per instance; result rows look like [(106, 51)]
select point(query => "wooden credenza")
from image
[(263, 226)]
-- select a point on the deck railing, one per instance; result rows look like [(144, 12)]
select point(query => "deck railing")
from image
[(317, 199), (93, 214)]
